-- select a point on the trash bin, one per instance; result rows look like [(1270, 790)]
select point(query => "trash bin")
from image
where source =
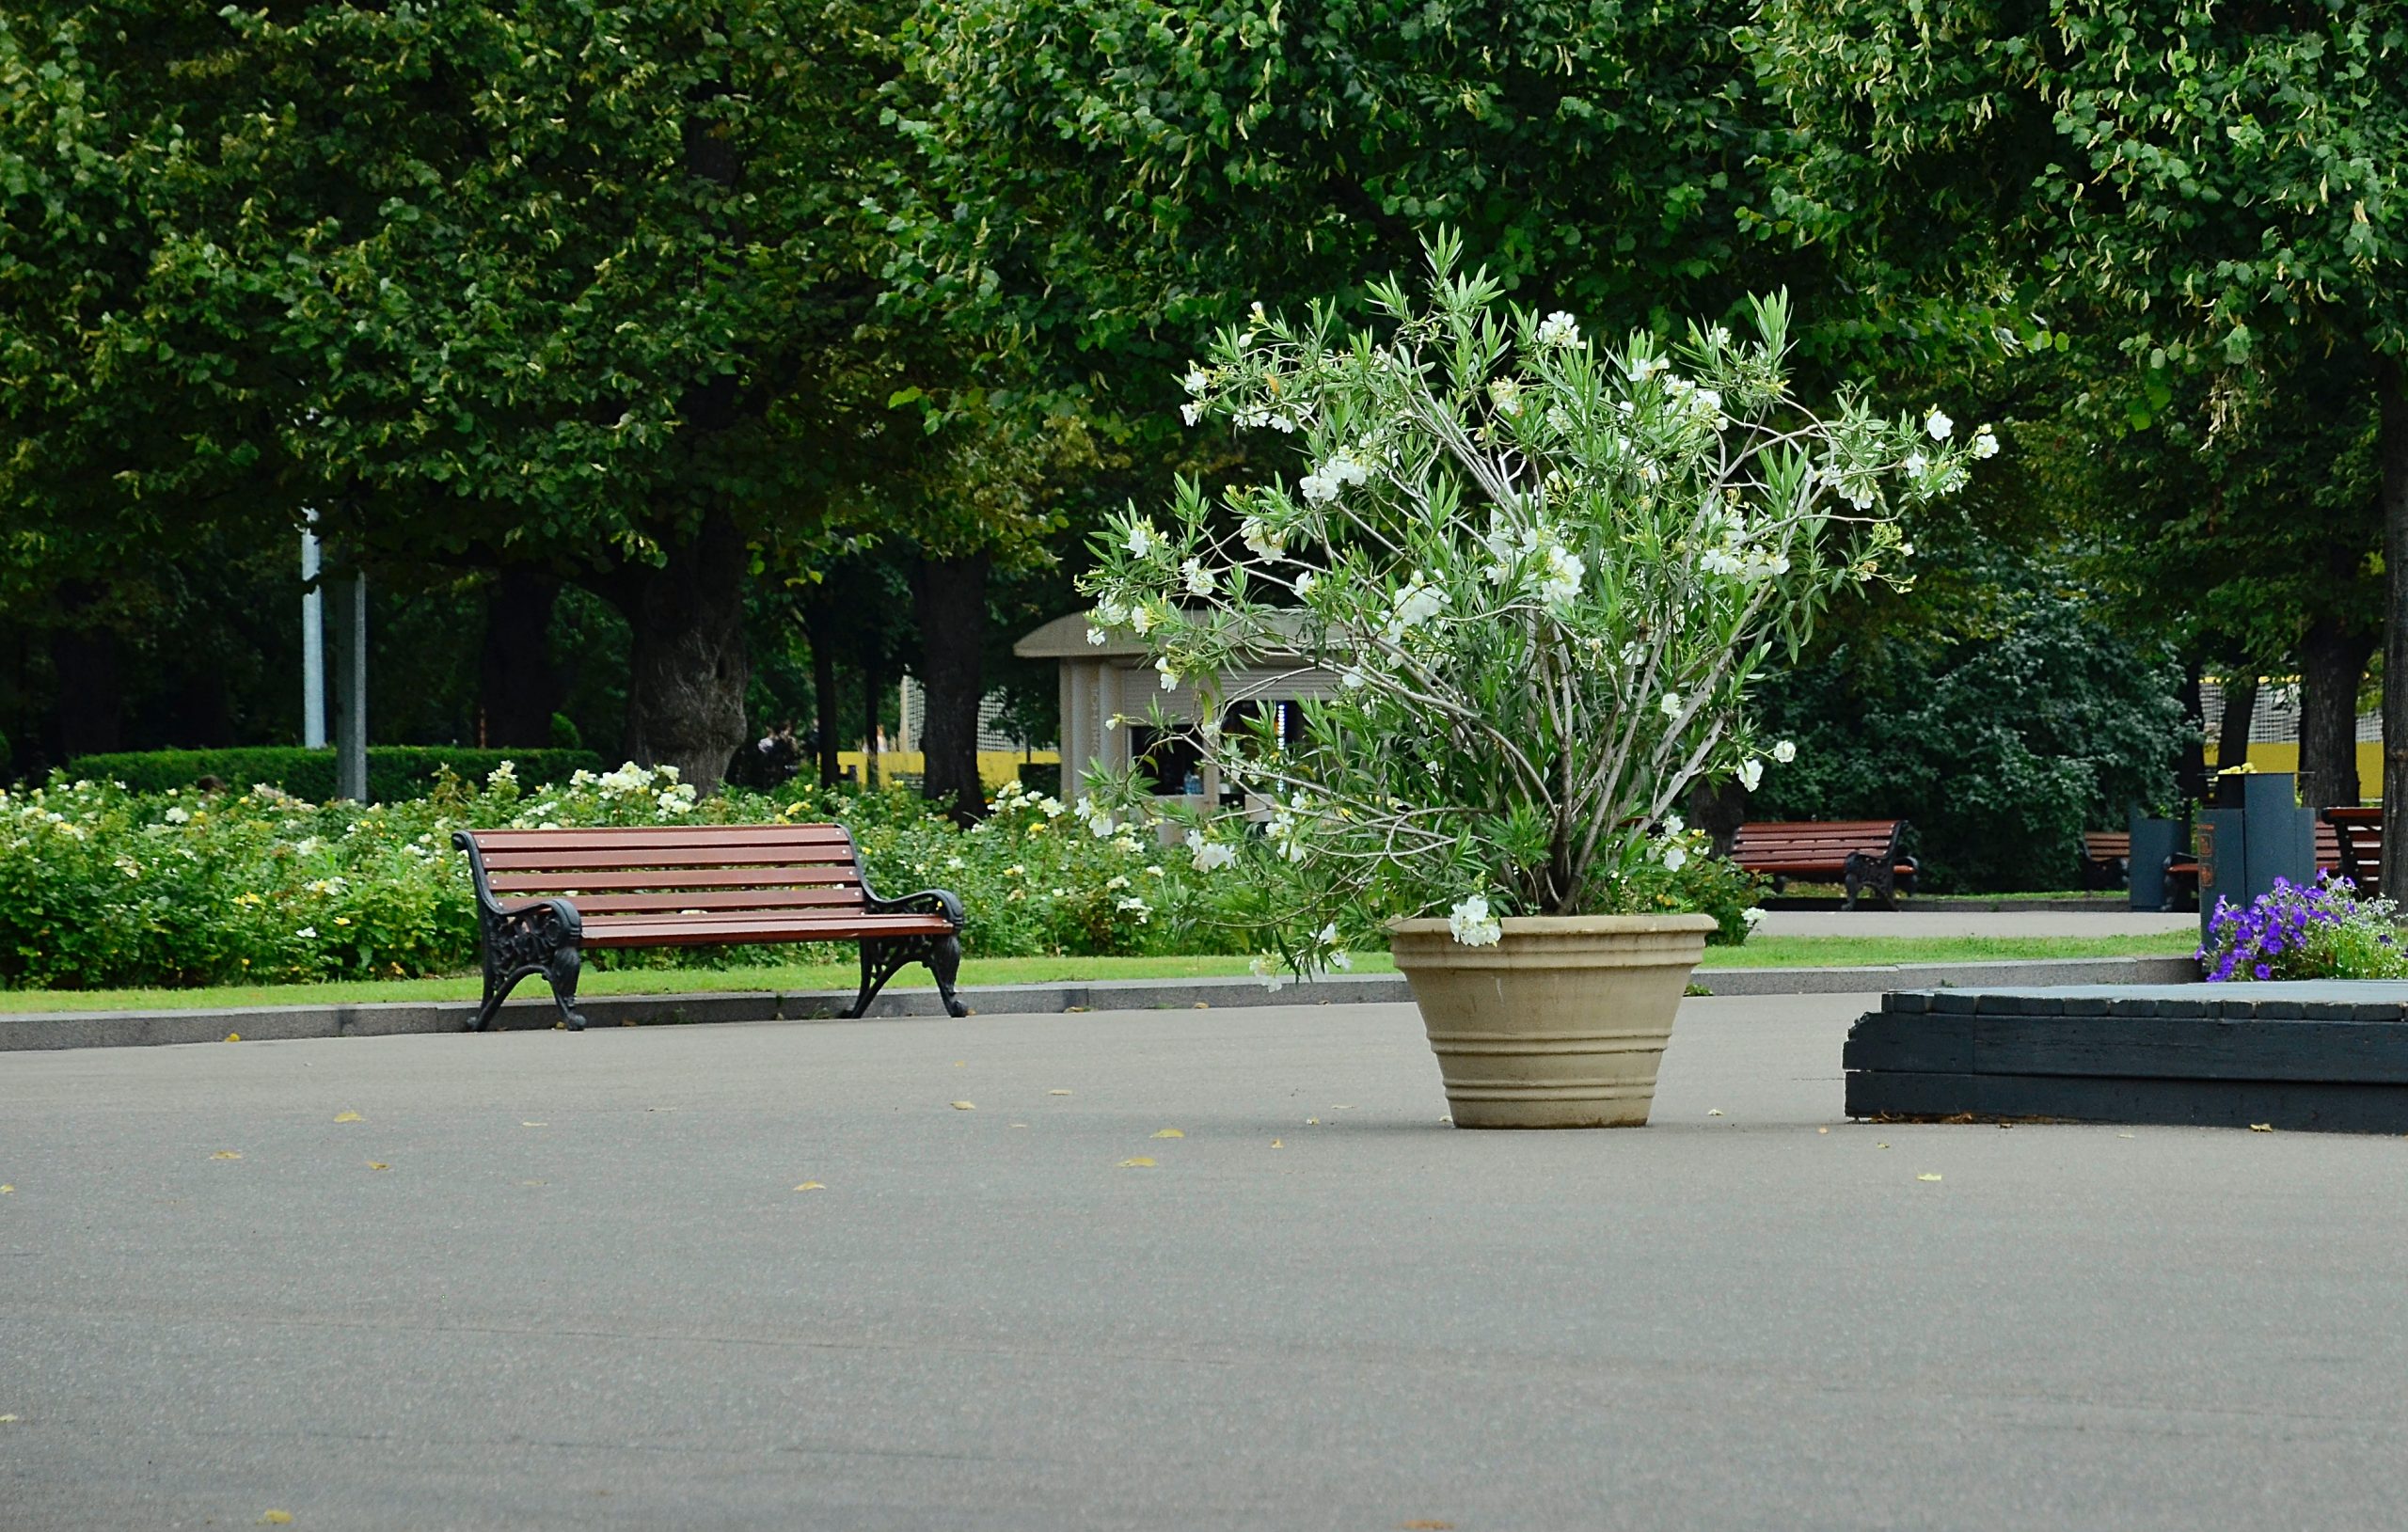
[(2258, 833), (2154, 840)]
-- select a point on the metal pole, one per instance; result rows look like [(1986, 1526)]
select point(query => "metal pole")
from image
[(351, 747), (314, 640)]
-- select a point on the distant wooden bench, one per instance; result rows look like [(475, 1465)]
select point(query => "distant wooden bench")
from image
[(2106, 858), (546, 896), (1857, 854), (2349, 844)]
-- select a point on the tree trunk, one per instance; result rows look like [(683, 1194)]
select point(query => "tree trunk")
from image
[(2392, 444), (2333, 664), (686, 664), (950, 595), (2232, 729), (2191, 772), (820, 621), (91, 702), (873, 684), (518, 686)]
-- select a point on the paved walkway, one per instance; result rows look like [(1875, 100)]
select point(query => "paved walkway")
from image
[(1969, 923), (580, 1291)]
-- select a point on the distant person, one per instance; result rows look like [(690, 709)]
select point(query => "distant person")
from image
[(777, 756)]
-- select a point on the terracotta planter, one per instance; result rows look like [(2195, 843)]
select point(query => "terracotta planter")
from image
[(1559, 1025)]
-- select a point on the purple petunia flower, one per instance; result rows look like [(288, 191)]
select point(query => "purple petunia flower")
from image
[(2264, 971)]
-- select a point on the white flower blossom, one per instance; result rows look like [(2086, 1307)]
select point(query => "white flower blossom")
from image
[(178, 816), (1984, 443), (1095, 635), (1143, 539), (1170, 676), (1670, 704), (1676, 856), (1259, 540), (1192, 411), (1753, 916), (1196, 380), (1752, 772), (1266, 968), (1209, 856), (1305, 583), (1915, 465), (1937, 425), (1472, 925), (307, 933), (1198, 579), (1784, 752), (1506, 394), (1559, 329)]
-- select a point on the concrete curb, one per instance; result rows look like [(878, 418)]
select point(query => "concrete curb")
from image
[(140, 1029)]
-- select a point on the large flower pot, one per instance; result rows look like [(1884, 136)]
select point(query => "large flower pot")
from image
[(1560, 1024)]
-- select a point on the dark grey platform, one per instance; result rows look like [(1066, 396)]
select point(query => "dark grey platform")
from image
[(2329, 1057)]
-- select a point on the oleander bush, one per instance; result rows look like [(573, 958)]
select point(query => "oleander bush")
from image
[(102, 886)]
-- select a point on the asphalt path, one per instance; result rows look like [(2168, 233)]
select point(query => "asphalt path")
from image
[(1930, 922), (545, 1280)]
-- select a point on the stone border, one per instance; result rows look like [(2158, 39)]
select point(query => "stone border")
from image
[(135, 1029), (2326, 1057)]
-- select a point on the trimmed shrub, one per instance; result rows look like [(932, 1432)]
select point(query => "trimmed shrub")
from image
[(396, 773)]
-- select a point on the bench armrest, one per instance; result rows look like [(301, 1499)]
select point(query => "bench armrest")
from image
[(926, 902), (491, 904)]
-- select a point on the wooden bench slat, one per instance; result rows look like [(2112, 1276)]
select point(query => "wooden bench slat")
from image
[(679, 900), (721, 930), (642, 856), (699, 878), (614, 838)]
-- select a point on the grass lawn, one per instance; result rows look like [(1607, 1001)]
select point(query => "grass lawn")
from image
[(1764, 951)]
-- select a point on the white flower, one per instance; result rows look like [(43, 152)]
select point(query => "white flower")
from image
[(1196, 381), (1141, 621), (1050, 806), (1266, 968), (1192, 411), (1142, 539), (1111, 723), (1262, 542), (504, 774), (1560, 576), (1473, 925), (1350, 678), (1208, 855), (1170, 677), (1784, 752), (1670, 704), (1506, 394), (1752, 772), (178, 816), (1125, 845), (1915, 465), (1646, 367), (1676, 856), (1753, 916), (1198, 578), (1937, 425), (1984, 444), (1559, 329), (1306, 581), (1114, 881), (1095, 635), (307, 933), (1341, 960)]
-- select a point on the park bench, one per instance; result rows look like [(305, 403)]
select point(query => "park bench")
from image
[(1857, 854), (544, 896), (2349, 844), (2106, 858)]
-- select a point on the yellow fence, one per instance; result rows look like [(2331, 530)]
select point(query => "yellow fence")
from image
[(995, 767), (2285, 757)]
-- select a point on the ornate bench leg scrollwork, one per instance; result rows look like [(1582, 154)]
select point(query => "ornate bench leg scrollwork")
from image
[(1878, 874), (882, 957), (543, 939)]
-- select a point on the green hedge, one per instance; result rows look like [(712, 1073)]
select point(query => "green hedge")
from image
[(396, 773)]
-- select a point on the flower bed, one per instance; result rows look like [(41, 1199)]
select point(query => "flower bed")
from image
[(2323, 931)]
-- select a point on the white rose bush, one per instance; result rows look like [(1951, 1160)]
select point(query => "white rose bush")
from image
[(1547, 572)]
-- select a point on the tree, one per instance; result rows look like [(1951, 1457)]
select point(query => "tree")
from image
[(2216, 188), (575, 288)]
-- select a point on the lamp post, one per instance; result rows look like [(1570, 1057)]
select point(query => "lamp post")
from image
[(313, 640)]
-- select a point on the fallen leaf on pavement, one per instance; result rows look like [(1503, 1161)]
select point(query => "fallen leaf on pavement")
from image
[(1880, 1145), (276, 1518), (6, 1190), (1276, 1144), (812, 1186), (1057, 1092), (349, 1117), (524, 1124), (225, 1154), (1141, 1162), (1425, 1526), (1714, 1112), (1927, 1176), (2262, 1127), (964, 1106), (1015, 1125), (378, 1165), (1822, 1129), (1170, 1132), (2123, 1136), (233, 1036)]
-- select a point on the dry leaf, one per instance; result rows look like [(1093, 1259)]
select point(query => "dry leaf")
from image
[(1340, 1107), (6, 1190), (1425, 1526), (349, 1117), (534, 1183), (1714, 1112), (2262, 1127), (378, 1165), (276, 1518), (7, 1420), (964, 1106), (225, 1154), (1822, 1129), (1313, 1122), (1170, 1132), (233, 1036), (524, 1124), (812, 1186), (1276, 1144), (1927, 1176), (1203, 1004), (1141, 1162), (1057, 1092), (1880, 1145), (2123, 1136), (961, 1063)]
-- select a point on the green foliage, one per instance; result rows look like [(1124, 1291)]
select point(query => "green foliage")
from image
[(2324, 932), (100, 886), (394, 771), (2001, 739)]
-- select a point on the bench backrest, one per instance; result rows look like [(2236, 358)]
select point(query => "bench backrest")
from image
[(2354, 838), (1816, 844), (2106, 844), (673, 867)]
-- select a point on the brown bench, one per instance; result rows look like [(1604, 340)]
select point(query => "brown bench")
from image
[(546, 896), (2349, 844), (2106, 858), (1859, 854)]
